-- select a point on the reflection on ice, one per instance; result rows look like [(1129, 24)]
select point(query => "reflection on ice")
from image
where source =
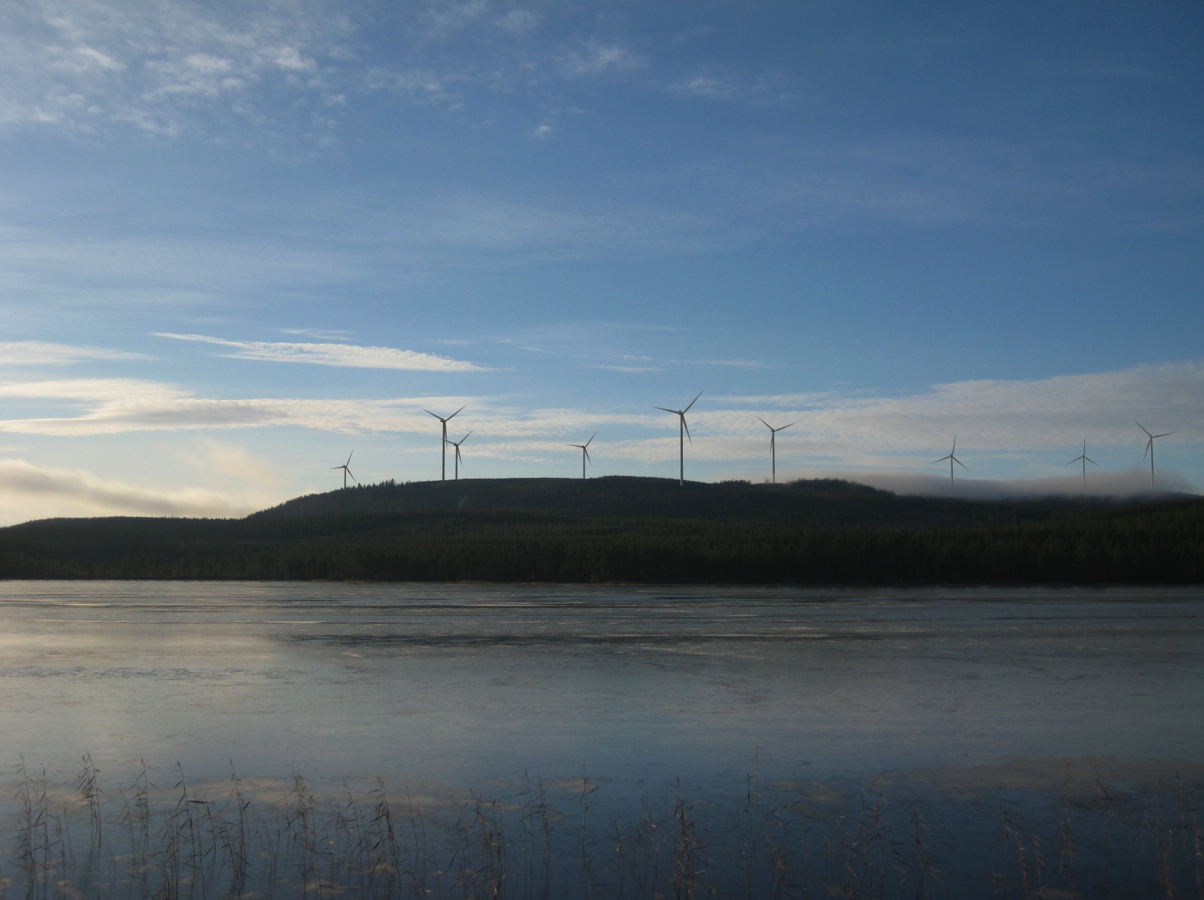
[(468, 684)]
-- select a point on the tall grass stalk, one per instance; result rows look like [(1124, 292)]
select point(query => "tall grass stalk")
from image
[(243, 839)]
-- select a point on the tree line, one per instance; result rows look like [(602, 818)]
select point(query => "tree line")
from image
[(836, 537)]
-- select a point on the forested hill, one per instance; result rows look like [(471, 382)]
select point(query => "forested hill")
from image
[(818, 503), (635, 530)]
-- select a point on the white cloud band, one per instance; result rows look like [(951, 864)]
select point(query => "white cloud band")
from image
[(351, 356)]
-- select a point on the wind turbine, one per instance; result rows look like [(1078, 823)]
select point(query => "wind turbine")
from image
[(1084, 459), (683, 432), (584, 448), (443, 476), (952, 457), (457, 444), (1149, 449), (346, 471), (773, 453)]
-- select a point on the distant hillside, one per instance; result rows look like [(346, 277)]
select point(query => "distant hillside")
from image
[(635, 530), (818, 503)]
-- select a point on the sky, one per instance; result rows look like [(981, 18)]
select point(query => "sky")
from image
[(241, 241)]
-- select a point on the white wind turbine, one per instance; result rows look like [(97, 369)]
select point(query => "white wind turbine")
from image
[(952, 457), (1084, 459), (346, 470), (773, 453), (683, 432), (584, 448), (1149, 449), (443, 474), (457, 444)]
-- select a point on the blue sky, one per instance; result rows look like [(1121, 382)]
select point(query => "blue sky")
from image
[(239, 241)]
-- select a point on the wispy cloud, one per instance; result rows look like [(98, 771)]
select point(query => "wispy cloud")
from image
[(120, 406), (594, 57), (714, 83), (44, 353), (352, 356)]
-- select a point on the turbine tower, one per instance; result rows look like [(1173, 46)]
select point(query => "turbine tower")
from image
[(773, 453), (346, 471), (683, 432), (457, 444), (952, 457), (1084, 459), (1149, 449), (443, 474), (584, 448)]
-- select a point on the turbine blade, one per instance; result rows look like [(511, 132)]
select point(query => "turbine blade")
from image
[(456, 413), (429, 413), (676, 412), (463, 439), (1090, 460), (353, 478), (1164, 434), (349, 455), (686, 426), (960, 463), (763, 422), (1142, 427), (784, 427), (587, 456), (942, 459), (692, 402), (591, 439)]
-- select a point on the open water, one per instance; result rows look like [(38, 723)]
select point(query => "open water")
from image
[(639, 692)]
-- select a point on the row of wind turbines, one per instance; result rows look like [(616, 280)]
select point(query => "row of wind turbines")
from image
[(1081, 458), (683, 434)]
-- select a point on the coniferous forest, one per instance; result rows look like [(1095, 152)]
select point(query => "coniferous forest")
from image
[(621, 529)]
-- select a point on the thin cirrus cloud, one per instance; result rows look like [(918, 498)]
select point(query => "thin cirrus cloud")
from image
[(352, 356), (120, 406), (46, 353)]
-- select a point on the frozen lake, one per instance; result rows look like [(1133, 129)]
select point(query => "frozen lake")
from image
[(637, 689), (466, 684)]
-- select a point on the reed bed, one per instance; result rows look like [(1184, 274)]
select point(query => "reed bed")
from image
[(575, 837)]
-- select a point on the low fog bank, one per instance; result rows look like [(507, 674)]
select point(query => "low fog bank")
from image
[(34, 492), (1126, 485)]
